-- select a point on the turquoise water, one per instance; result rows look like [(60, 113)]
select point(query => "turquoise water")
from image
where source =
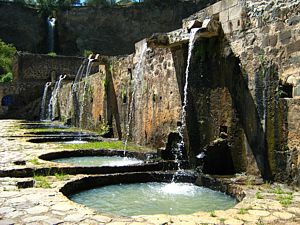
[(153, 198), (99, 161)]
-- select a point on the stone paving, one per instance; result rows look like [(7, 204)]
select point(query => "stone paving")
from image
[(42, 204)]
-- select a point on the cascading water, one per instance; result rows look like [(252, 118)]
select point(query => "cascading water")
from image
[(138, 75), (53, 99), (51, 32), (178, 151), (44, 99), (87, 73)]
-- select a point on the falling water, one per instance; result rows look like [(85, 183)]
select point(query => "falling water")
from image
[(51, 29), (180, 145), (53, 99), (87, 73), (138, 78), (74, 87), (44, 99)]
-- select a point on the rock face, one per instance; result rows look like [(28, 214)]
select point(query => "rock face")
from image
[(23, 27), (114, 30)]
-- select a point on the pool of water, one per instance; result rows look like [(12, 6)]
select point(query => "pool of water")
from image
[(99, 161), (153, 198)]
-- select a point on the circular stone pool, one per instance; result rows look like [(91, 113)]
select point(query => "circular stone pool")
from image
[(99, 161), (153, 198)]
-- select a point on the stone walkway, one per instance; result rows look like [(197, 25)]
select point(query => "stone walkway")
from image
[(44, 204)]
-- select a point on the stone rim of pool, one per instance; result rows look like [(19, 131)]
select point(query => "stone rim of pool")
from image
[(92, 182)]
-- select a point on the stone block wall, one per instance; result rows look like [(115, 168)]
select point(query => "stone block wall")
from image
[(264, 36), (124, 87), (38, 67)]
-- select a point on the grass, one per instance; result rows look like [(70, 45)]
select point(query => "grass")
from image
[(259, 195), (119, 145), (60, 176), (285, 199), (34, 161), (212, 214), (222, 221), (41, 182), (243, 211)]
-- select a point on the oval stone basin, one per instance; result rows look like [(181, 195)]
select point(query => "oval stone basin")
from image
[(153, 198)]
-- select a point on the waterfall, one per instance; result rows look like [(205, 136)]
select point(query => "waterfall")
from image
[(53, 99), (87, 73), (51, 33), (44, 99), (137, 78), (178, 151)]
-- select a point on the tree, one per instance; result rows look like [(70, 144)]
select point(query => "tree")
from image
[(7, 52)]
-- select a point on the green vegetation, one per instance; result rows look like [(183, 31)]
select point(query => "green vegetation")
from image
[(102, 128), (285, 199), (87, 53), (53, 54), (118, 145), (96, 3), (259, 195), (243, 211), (222, 221), (7, 52), (277, 190), (212, 214), (34, 161), (60, 176), (41, 182)]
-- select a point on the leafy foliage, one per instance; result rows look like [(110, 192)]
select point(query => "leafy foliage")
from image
[(96, 3), (7, 52)]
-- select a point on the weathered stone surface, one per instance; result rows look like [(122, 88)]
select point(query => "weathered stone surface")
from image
[(259, 213), (127, 26), (102, 219), (35, 219), (27, 31), (74, 217), (37, 210), (62, 207), (7, 222), (283, 215)]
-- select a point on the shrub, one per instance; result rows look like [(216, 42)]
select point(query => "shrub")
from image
[(53, 54), (6, 78), (86, 53), (7, 52)]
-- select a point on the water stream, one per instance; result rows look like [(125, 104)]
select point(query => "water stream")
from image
[(180, 146), (138, 76), (82, 102), (53, 99), (43, 116)]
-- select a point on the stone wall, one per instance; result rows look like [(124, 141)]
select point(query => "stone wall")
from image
[(142, 87), (264, 36), (23, 27), (20, 100), (34, 67), (114, 30)]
